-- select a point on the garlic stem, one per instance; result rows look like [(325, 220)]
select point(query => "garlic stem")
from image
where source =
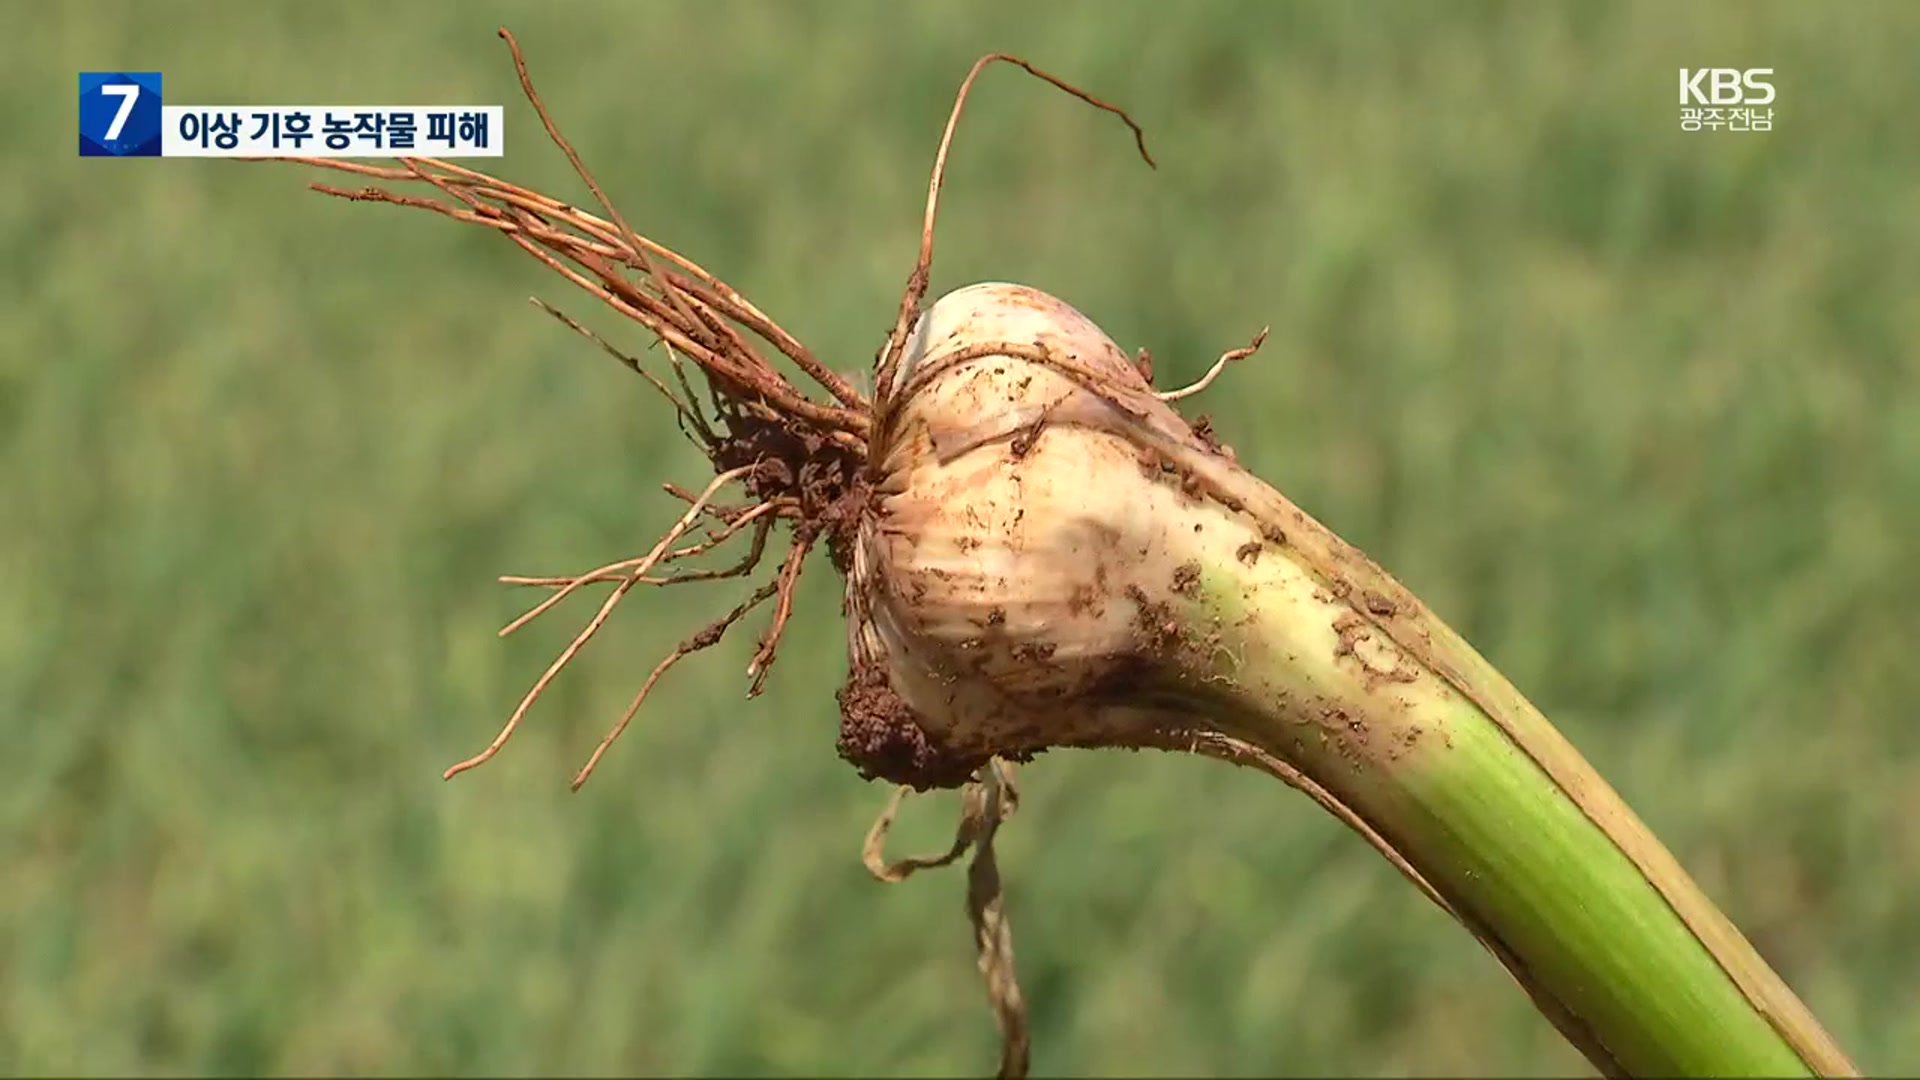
[(1298, 656)]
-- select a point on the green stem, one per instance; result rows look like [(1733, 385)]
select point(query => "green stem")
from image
[(1311, 653)]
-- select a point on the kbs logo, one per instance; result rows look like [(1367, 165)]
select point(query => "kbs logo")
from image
[(1728, 96), (1725, 86)]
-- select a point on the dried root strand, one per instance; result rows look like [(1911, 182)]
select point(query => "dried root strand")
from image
[(637, 570), (985, 803), (684, 411), (761, 517), (1213, 372), (917, 282), (706, 638), (641, 261), (553, 236), (687, 307), (789, 578), (992, 931)]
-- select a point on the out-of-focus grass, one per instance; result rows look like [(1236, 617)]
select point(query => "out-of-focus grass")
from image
[(1634, 408)]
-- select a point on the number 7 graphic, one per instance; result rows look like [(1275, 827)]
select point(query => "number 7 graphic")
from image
[(120, 114), (128, 93)]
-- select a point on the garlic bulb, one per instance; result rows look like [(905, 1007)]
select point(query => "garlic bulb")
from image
[(1003, 578)]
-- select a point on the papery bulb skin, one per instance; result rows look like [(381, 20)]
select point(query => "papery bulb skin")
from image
[(1005, 577)]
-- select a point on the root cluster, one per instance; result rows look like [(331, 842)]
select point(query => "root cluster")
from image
[(802, 457), (798, 459)]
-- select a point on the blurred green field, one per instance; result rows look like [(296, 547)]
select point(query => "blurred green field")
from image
[(1637, 410)]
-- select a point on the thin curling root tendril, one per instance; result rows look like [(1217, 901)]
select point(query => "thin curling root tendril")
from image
[(636, 570), (985, 804), (804, 461)]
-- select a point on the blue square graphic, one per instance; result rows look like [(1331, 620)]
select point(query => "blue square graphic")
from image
[(119, 114)]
